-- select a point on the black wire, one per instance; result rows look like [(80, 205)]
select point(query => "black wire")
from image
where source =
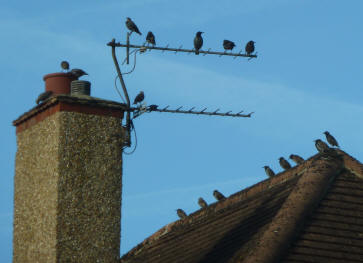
[(132, 126), (133, 68)]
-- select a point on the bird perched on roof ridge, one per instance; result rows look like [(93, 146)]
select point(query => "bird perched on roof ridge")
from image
[(296, 158), (132, 26), (321, 146), (284, 164), (44, 96), (181, 213), (150, 38), (218, 195), (331, 140), (65, 65), (198, 42), (139, 97), (250, 47), (228, 45), (77, 73), (269, 171), (202, 203)]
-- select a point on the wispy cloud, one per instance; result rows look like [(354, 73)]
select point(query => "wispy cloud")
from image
[(190, 190)]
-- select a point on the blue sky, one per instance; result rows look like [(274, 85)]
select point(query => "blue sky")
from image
[(307, 79)]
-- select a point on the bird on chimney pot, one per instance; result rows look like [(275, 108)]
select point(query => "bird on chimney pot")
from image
[(284, 164), (250, 47), (296, 158), (198, 42), (202, 203), (139, 98), (44, 96), (228, 45), (331, 140), (218, 195), (132, 26), (181, 213), (269, 171), (65, 65), (150, 38), (77, 73), (321, 146)]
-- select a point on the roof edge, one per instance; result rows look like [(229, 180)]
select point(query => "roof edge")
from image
[(352, 164), (215, 207)]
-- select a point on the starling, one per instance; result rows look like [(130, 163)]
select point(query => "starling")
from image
[(198, 42), (44, 96), (284, 164), (269, 171), (139, 98), (77, 73), (331, 140), (250, 47), (153, 107), (321, 146), (150, 38), (218, 195), (296, 158), (131, 26), (228, 45), (202, 203), (181, 213), (65, 65)]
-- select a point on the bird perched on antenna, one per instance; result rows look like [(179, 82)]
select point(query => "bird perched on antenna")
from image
[(139, 98), (132, 26), (77, 73), (44, 96), (284, 164), (321, 146), (202, 203), (198, 42), (228, 45), (296, 158), (331, 140), (153, 107), (250, 47), (181, 213), (150, 38), (218, 195), (269, 171), (65, 65)]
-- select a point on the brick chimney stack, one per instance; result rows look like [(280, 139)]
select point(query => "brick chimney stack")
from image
[(68, 181)]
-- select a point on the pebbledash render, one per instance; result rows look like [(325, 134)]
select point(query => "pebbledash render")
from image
[(68, 181)]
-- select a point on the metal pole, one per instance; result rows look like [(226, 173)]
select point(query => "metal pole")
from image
[(128, 114), (127, 47)]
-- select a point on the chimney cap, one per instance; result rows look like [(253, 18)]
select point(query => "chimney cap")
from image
[(91, 105)]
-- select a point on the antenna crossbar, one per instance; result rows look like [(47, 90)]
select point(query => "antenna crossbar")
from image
[(139, 110), (167, 48)]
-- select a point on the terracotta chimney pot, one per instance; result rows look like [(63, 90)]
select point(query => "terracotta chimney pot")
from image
[(59, 83)]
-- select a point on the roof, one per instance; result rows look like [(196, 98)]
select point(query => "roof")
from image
[(310, 213)]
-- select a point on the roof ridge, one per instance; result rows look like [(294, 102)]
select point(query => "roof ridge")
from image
[(304, 197)]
